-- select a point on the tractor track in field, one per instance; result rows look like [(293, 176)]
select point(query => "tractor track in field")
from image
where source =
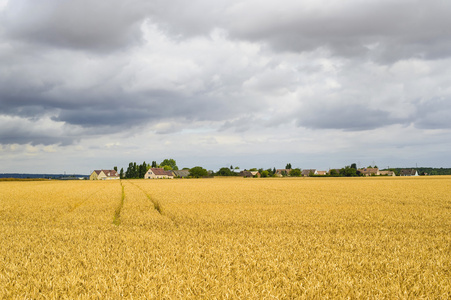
[(157, 206), (76, 205), (117, 212), (156, 203)]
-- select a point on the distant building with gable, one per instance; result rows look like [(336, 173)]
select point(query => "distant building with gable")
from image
[(369, 171), (387, 173), (408, 172), (282, 172), (255, 173), (158, 173), (104, 175), (308, 172), (180, 173), (249, 174)]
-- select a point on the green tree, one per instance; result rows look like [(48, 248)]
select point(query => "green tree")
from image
[(129, 173), (135, 171), (169, 162), (225, 172), (154, 164), (121, 173), (295, 172), (198, 172), (333, 173), (115, 168), (348, 172), (354, 166), (264, 173), (142, 169), (288, 166)]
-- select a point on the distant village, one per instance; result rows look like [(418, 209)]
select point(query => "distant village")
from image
[(169, 170)]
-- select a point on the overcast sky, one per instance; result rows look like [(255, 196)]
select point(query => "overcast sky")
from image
[(93, 84)]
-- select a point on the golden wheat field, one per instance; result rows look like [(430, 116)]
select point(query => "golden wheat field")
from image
[(227, 238)]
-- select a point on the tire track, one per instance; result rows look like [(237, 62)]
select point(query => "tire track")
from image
[(117, 213), (62, 215), (77, 205), (156, 204)]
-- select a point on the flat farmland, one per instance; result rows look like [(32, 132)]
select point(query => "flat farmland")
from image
[(225, 238)]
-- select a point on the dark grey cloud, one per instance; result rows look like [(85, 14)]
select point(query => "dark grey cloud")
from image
[(114, 118), (22, 137), (128, 109), (86, 25), (348, 117), (15, 130), (388, 31), (382, 30), (385, 31), (433, 114), (111, 112), (18, 98)]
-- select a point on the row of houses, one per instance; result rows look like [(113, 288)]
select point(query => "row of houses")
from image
[(152, 173), (363, 172), (160, 173), (315, 172), (377, 172), (304, 173)]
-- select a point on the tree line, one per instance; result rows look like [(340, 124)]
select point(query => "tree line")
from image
[(348, 171), (425, 170), (135, 170)]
